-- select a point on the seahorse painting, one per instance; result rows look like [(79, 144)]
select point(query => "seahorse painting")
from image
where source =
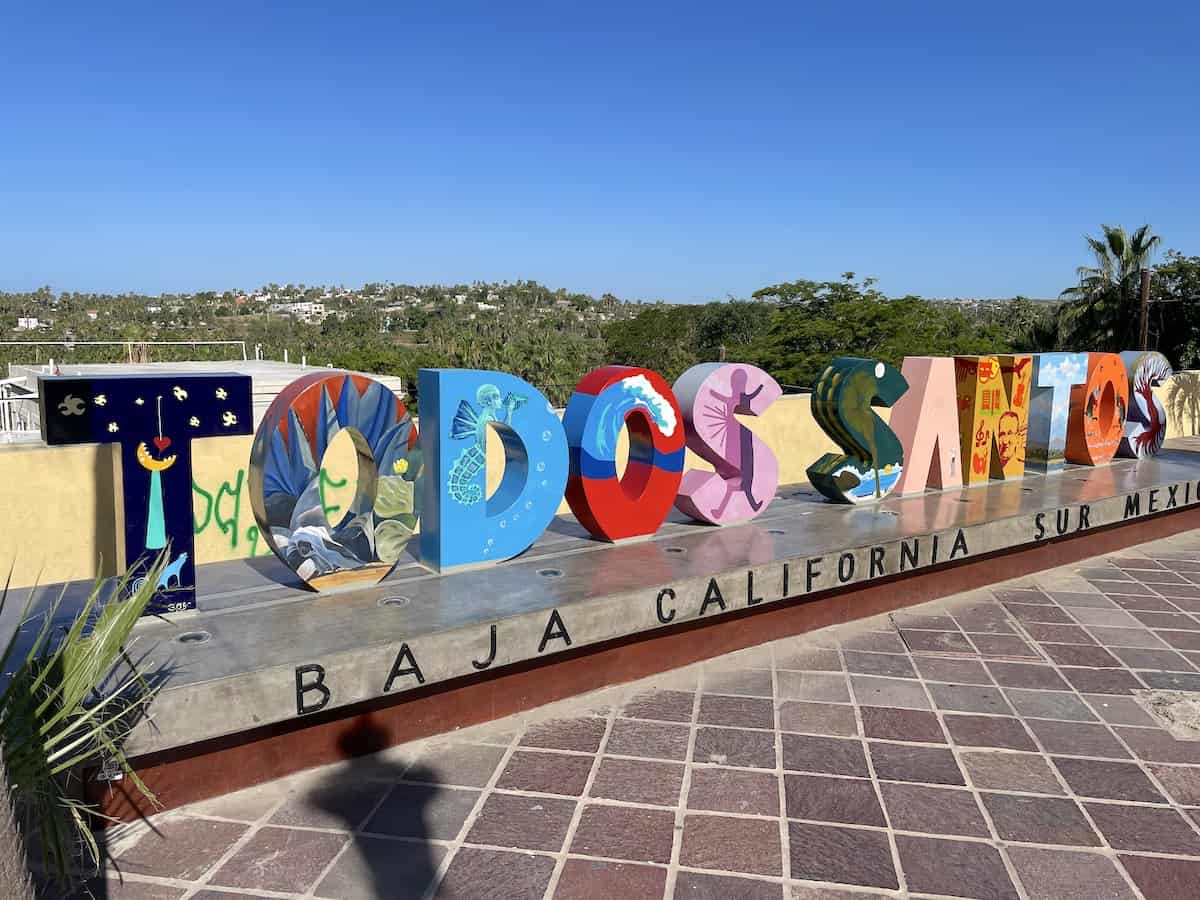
[(472, 426)]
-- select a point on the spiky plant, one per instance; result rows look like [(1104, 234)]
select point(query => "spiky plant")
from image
[(14, 872), (55, 717)]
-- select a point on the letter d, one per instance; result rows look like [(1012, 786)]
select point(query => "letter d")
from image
[(460, 524)]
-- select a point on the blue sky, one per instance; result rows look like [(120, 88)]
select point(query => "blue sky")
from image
[(676, 151)]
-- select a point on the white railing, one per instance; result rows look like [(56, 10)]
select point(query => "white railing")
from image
[(128, 345), (18, 412)]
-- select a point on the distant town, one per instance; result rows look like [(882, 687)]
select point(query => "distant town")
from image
[(552, 337)]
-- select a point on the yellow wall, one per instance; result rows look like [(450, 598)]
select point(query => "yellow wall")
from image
[(58, 521)]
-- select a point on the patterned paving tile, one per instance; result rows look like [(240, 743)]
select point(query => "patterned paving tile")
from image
[(841, 855), (1039, 820), (683, 793), (963, 868), (1068, 875), (280, 859), (850, 801), (834, 756), (731, 844), (735, 791), (641, 835)]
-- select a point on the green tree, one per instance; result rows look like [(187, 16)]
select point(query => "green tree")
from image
[(1175, 309), (1102, 310)]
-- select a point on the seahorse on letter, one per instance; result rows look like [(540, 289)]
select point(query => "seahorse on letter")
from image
[(471, 425)]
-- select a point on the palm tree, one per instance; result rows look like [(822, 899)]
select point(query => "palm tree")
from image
[(1102, 312), (14, 872)]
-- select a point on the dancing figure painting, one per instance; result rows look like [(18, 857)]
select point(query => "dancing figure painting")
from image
[(712, 396)]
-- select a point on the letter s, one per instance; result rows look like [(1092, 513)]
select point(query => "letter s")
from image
[(711, 395), (873, 457)]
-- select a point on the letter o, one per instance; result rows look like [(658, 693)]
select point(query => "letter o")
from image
[(286, 481), (606, 400)]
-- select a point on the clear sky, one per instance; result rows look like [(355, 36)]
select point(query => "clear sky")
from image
[(678, 151)]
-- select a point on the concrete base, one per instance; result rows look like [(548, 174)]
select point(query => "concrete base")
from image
[(290, 680)]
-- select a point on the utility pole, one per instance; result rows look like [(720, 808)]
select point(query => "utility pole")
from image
[(1144, 326)]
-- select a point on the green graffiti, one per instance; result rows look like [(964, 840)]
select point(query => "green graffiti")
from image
[(326, 480), (221, 507)]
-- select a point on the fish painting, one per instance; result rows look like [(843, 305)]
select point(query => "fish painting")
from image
[(470, 425)]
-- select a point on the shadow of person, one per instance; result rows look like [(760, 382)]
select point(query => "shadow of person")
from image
[(383, 803)]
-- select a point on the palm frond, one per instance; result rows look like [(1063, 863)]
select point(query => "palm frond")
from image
[(57, 713)]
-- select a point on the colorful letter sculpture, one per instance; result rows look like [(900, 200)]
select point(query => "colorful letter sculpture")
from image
[(286, 489), (1096, 421), (1146, 422), (711, 396), (154, 420), (460, 524), (873, 457), (606, 400), (925, 420), (1054, 374), (993, 411)]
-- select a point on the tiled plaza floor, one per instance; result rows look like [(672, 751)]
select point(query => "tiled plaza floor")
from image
[(989, 745)]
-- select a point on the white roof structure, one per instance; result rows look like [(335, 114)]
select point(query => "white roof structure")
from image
[(268, 377)]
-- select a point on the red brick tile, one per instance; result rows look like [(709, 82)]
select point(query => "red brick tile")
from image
[(1026, 675), (834, 756), (527, 823), (1108, 780), (912, 807), (699, 886), (619, 832), (907, 762), (890, 724), (547, 773), (180, 848), (1039, 820), (670, 706), (1145, 828), (988, 731), (747, 682), (955, 671), (735, 747), (280, 859), (1068, 875), (406, 867), (656, 740), (1181, 782), (1077, 739), (595, 879), (731, 844), (423, 811), (478, 874), (843, 855), (1163, 879), (962, 868), (740, 712), (996, 771), (583, 735), (889, 664), (850, 801), (638, 781), (817, 718), (734, 790)]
